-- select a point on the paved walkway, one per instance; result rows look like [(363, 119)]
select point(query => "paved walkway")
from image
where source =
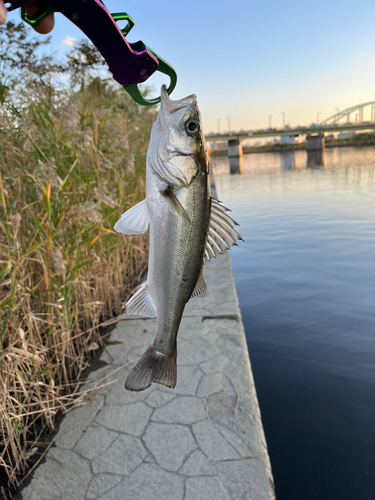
[(201, 441)]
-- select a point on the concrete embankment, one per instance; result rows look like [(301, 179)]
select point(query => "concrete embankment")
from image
[(203, 440)]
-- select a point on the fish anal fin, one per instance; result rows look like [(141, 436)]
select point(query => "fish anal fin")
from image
[(153, 367), (221, 233), (141, 303), (200, 288), (135, 220)]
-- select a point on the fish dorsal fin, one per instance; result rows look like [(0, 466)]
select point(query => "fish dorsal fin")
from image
[(135, 220), (141, 303), (221, 235), (200, 288)]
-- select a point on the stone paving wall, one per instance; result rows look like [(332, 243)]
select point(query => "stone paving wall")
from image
[(201, 441)]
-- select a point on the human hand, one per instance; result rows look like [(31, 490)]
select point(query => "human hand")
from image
[(44, 26)]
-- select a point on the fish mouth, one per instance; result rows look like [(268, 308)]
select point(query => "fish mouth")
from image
[(171, 106)]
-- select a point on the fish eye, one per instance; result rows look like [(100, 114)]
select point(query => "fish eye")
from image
[(192, 127)]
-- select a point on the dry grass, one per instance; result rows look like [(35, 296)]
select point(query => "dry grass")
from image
[(69, 166)]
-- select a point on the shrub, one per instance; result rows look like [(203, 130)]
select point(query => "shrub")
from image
[(72, 160)]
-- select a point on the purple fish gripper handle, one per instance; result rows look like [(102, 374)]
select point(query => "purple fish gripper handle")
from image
[(129, 63)]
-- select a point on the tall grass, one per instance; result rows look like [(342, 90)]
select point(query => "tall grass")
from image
[(70, 164)]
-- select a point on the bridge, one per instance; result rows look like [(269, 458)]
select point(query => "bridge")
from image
[(314, 134), (316, 129)]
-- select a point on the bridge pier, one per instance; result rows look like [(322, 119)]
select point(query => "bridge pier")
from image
[(315, 142), (235, 156), (234, 148)]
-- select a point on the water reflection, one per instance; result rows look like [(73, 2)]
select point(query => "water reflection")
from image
[(331, 158), (271, 168), (316, 159), (305, 279), (235, 164), (288, 160)]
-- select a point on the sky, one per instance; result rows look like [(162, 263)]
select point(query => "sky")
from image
[(248, 60)]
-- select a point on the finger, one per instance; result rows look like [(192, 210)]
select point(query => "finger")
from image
[(3, 13), (45, 25)]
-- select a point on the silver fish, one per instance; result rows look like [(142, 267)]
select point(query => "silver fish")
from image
[(187, 228)]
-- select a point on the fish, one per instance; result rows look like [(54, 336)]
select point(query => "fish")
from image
[(188, 227)]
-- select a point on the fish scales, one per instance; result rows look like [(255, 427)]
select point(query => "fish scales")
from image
[(181, 262), (187, 227)]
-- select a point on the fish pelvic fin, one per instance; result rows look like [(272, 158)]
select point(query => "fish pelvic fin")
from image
[(153, 366), (141, 303)]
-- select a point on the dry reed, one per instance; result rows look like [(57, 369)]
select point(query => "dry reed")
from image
[(69, 166)]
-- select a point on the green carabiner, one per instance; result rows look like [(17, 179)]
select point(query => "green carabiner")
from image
[(36, 18), (123, 16), (163, 67)]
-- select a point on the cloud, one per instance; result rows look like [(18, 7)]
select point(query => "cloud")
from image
[(69, 40)]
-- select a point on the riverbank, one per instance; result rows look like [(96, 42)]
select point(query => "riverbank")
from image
[(202, 440)]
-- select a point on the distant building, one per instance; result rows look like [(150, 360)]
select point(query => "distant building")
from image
[(254, 143), (345, 135), (218, 146), (287, 139), (272, 140)]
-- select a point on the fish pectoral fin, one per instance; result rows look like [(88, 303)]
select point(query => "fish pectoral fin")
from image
[(221, 233), (135, 220), (141, 303), (174, 205), (200, 288)]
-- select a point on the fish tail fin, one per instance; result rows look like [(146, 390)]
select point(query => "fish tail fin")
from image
[(153, 367)]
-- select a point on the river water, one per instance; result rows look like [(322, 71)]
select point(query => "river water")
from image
[(305, 279)]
